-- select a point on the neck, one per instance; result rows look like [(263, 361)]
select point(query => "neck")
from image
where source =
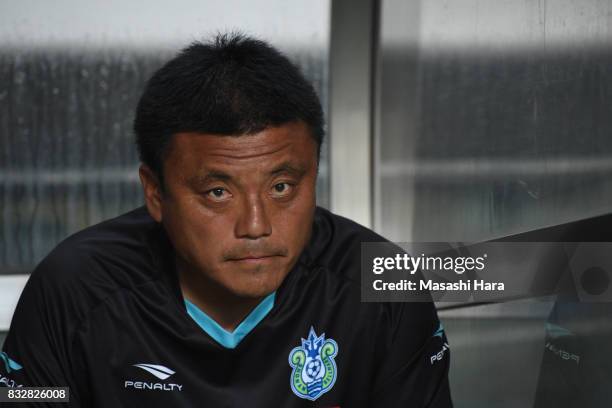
[(225, 308)]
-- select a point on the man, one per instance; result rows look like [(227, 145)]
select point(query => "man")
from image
[(230, 288)]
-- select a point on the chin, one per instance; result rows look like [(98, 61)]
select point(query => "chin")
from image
[(254, 291), (254, 282), (255, 286)]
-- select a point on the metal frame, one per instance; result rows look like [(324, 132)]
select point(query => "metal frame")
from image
[(354, 29), (11, 287)]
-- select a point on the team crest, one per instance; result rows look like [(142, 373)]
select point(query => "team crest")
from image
[(314, 368)]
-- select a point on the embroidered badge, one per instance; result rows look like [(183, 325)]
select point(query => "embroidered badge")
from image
[(314, 368)]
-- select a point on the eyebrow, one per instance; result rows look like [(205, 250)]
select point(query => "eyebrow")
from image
[(216, 175), (210, 176), (287, 167)]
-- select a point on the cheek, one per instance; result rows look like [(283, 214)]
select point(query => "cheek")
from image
[(196, 234), (209, 236), (294, 222)]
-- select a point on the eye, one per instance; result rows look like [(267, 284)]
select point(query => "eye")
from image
[(218, 194), (281, 189)]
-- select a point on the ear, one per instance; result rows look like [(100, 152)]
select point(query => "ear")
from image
[(152, 192)]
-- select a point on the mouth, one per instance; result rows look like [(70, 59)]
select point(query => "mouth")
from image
[(255, 258)]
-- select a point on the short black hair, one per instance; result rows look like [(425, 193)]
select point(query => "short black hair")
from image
[(232, 85)]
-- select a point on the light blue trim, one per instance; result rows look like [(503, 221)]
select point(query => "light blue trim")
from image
[(11, 365), (557, 331), (440, 332), (225, 338)]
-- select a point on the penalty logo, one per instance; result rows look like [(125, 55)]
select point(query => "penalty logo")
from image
[(314, 368)]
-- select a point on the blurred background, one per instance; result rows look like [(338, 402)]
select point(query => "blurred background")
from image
[(457, 120)]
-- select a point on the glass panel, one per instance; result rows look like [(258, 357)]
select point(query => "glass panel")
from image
[(70, 76), (494, 118), (495, 349)]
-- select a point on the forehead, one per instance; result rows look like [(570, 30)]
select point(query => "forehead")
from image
[(193, 152)]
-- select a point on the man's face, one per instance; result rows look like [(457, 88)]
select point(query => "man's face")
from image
[(239, 210)]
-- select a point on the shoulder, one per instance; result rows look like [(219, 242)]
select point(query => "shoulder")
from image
[(336, 243), (84, 271), (99, 260), (336, 248)]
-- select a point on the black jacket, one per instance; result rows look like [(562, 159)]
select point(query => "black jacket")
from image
[(103, 314)]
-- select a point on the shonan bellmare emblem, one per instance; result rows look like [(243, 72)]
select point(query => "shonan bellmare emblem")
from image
[(314, 369)]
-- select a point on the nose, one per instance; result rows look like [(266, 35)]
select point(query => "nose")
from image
[(253, 221)]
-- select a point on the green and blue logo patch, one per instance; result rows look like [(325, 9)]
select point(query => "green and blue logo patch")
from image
[(314, 368)]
